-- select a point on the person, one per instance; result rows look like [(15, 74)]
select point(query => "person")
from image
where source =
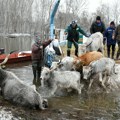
[(117, 37), (111, 42), (72, 32), (97, 26), (38, 55)]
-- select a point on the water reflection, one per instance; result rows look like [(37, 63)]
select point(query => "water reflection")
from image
[(19, 43), (92, 106)]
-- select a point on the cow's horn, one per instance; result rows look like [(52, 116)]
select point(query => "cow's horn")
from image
[(52, 69), (6, 58)]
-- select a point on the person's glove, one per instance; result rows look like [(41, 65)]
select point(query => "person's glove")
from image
[(51, 40), (65, 33), (87, 35)]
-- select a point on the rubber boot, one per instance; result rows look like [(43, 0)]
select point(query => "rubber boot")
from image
[(68, 52), (34, 73), (117, 56), (38, 74), (108, 54), (112, 54), (76, 53), (34, 82)]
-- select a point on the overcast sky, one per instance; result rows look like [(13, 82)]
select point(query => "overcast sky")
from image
[(93, 4)]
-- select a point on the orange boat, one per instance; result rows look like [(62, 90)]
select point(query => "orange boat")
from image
[(17, 57)]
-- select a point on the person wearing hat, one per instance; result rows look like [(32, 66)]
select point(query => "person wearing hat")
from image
[(72, 32), (111, 42), (97, 26), (117, 37), (37, 55)]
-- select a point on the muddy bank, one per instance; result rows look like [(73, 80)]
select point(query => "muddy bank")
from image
[(92, 106)]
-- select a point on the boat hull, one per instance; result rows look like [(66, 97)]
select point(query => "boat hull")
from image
[(16, 57)]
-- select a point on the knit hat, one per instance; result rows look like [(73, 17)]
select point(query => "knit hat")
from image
[(74, 22), (98, 18), (112, 23)]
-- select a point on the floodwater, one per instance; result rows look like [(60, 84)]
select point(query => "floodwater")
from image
[(18, 43), (100, 106)]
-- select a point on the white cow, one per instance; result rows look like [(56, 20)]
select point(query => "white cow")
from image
[(103, 65), (16, 91), (62, 79), (66, 63), (93, 43), (114, 81)]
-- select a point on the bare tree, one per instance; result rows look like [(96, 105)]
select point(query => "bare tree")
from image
[(16, 15), (71, 10), (116, 11), (104, 12), (42, 10)]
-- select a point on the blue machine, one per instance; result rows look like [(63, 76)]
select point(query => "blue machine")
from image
[(49, 56), (52, 15)]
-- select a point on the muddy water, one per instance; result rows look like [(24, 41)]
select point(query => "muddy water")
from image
[(18, 43), (69, 107)]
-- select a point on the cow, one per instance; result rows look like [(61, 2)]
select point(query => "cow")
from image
[(16, 91), (62, 79), (65, 64), (103, 66), (87, 58), (93, 43), (75, 63)]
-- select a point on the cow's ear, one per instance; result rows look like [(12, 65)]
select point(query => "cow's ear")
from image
[(59, 62), (91, 69), (60, 65)]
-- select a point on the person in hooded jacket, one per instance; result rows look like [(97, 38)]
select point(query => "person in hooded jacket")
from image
[(38, 55), (111, 42)]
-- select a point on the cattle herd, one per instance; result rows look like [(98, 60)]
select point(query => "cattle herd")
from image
[(90, 69)]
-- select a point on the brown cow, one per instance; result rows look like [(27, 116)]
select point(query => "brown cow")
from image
[(88, 57), (85, 60)]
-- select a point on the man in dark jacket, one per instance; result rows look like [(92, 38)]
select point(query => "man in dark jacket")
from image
[(72, 32), (111, 42), (38, 55), (117, 37), (97, 26)]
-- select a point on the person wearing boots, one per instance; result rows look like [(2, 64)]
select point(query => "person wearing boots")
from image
[(37, 55), (111, 42), (72, 32), (117, 37)]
